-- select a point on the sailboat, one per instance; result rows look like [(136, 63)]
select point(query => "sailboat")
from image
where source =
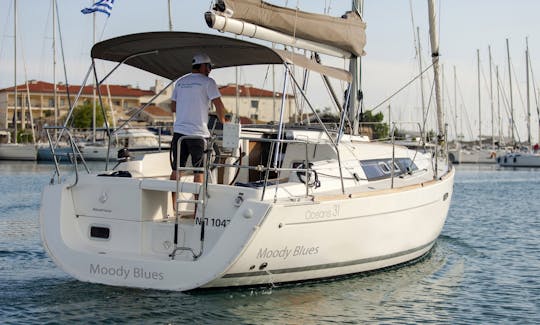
[(10, 148), (480, 153), (531, 156), (279, 203), (137, 140)]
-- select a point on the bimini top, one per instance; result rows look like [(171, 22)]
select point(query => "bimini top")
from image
[(169, 54)]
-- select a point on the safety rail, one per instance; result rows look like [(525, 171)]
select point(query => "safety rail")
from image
[(72, 156), (423, 143), (207, 165), (393, 139), (271, 165)]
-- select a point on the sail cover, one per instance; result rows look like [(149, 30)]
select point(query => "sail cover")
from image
[(346, 32)]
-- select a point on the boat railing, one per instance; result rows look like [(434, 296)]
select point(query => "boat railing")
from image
[(439, 149), (201, 193), (272, 164), (113, 133), (73, 156)]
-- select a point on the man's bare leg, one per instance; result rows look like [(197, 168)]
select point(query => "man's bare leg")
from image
[(197, 178), (174, 176)]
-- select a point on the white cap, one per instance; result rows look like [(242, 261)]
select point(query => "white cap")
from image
[(200, 59)]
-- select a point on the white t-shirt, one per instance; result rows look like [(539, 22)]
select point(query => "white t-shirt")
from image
[(193, 94)]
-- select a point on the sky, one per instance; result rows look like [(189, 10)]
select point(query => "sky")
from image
[(465, 26)]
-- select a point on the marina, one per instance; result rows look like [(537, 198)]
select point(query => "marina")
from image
[(328, 183)]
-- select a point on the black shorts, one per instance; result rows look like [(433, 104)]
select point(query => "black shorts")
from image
[(193, 147)]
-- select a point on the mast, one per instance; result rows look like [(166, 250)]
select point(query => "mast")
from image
[(455, 106), (62, 51), (170, 17), (355, 100), (479, 101), (511, 97), (55, 107), (435, 60), (499, 121), (529, 142), (421, 68), (491, 99), (15, 66)]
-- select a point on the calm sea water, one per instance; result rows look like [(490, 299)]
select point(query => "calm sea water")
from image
[(484, 269)]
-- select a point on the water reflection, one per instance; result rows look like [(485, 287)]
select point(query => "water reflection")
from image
[(404, 293)]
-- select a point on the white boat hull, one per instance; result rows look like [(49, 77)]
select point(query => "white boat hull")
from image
[(256, 242), (519, 160), (460, 156), (339, 237), (18, 151)]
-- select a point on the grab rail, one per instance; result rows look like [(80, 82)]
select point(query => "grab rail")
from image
[(268, 167), (73, 157)]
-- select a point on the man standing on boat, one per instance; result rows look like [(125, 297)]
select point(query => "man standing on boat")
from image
[(191, 100)]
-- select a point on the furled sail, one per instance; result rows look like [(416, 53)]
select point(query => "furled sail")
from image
[(346, 32)]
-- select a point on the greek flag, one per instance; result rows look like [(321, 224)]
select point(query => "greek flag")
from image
[(104, 6)]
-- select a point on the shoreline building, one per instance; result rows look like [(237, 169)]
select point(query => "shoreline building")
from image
[(259, 105), (39, 97), (254, 104)]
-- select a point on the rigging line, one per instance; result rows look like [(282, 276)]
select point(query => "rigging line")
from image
[(506, 104), (62, 51), (518, 88), (464, 110), (4, 36), (103, 30), (402, 88), (296, 105), (491, 101), (413, 29), (303, 107), (327, 7), (448, 103), (263, 85), (534, 89), (488, 90), (333, 102), (45, 38), (29, 102), (534, 92), (297, 9), (424, 118)]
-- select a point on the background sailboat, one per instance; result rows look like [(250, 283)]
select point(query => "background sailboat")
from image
[(529, 156), (10, 147)]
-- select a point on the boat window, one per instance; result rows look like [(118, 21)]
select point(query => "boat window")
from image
[(376, 169), (396, 167), (372, 170), (384, 167)]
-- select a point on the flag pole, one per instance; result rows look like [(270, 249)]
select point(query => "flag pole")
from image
[(170, 18)]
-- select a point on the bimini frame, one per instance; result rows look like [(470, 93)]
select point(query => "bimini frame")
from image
[(169, 54)]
